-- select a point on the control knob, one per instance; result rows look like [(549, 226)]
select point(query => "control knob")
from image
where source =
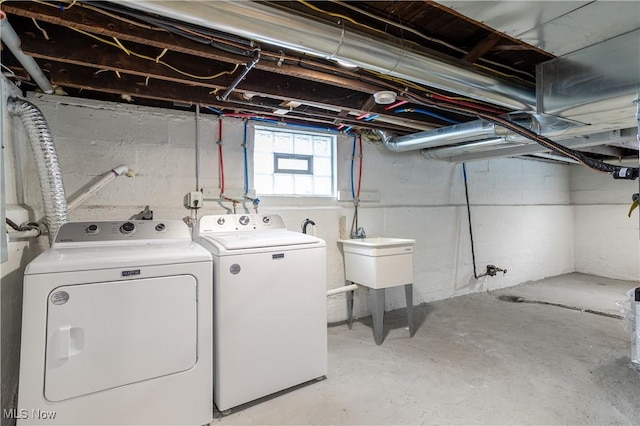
[(92, 229), (127, 228), (161, 227), (244, 220)]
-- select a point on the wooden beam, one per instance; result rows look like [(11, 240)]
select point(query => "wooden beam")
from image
[(509, 47), (483, 47), (63, 46), (84, 19), (69, 75), (66, 49)]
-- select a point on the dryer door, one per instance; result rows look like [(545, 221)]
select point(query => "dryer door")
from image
[(104, 335)]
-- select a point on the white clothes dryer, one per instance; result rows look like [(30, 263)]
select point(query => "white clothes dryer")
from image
[(116, 328), (270, 320)]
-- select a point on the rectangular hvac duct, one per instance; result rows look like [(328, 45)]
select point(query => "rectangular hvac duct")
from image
[(594, 85)]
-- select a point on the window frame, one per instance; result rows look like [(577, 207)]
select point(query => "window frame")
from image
[(333, 153), (285, 156)]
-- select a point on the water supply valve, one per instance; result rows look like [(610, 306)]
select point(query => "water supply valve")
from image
[(492, 270)]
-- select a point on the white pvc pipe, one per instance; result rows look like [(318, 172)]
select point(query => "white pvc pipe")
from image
[(12, 41), (31, 233), (104, 180), (344, 289)]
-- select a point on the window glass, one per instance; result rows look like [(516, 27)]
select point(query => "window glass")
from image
[(293, 163)]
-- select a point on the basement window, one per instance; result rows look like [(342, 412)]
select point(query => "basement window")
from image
[(293, 163)]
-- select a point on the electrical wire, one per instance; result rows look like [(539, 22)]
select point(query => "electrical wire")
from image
[(242, 47), (338, 15), (13, 225), (157, 60), (104, 12), (471, 103), (13, 74), (417, 33)]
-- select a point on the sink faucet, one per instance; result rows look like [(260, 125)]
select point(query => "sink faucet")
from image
[(359, 233)]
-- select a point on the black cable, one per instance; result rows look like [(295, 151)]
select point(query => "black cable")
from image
[(13, 225), (26, 227), (618, 172), (466, 194)]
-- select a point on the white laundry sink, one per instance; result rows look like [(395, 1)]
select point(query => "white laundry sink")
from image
[(378, 262)]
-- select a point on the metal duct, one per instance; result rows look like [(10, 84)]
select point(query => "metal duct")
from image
[(448, 151), (451, 135), (259, 22), (12, 41), (46, 158)]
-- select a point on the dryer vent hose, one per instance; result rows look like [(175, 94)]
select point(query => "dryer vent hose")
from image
[(46, 159)]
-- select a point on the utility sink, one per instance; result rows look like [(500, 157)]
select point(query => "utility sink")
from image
[(378, 262)]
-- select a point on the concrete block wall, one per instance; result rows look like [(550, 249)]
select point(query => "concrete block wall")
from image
[(20, 253), (606, 239), (521, 209)]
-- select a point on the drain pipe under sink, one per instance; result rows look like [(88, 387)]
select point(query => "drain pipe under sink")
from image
[(343, 289)]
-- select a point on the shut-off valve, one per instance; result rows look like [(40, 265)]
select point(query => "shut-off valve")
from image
[(492, 270)]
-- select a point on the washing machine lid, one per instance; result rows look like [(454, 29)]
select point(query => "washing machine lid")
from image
[(259, 239)]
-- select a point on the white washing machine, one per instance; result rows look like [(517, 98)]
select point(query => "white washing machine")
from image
[(270, 320), (116, 328)]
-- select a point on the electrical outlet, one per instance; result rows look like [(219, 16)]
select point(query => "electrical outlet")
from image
[(193, 200)]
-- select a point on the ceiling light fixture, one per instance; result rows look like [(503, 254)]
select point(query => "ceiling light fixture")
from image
[(384, 97)]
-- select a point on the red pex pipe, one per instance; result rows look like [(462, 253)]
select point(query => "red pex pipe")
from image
[(397, 104)]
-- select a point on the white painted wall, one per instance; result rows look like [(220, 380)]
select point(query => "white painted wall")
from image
[(606, 239), (522, 217), (521, 212), (20, 253)]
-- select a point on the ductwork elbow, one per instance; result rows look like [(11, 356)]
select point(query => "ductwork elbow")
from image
[(387, 139), (46, 159)]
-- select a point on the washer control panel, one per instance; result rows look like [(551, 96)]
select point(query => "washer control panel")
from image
[(239, 222), (139, 230)]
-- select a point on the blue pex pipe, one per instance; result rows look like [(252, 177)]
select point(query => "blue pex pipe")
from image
[(353, 157), (429, 113), (246, 161)]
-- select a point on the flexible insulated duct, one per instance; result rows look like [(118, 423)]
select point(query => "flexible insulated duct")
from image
[(262, 23), (46, 158)]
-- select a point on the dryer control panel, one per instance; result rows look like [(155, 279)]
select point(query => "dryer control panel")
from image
[(239, 222), (114, 231)]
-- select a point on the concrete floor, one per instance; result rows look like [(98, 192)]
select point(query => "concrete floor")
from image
[(476, 360)]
